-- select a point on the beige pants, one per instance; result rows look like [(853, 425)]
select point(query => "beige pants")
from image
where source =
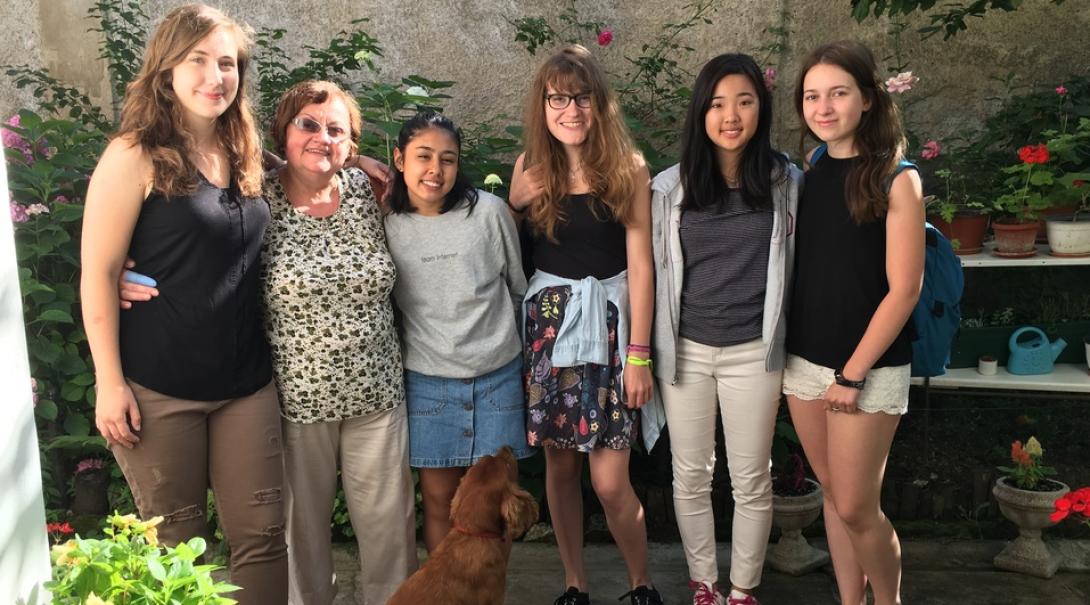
[(373, 454), (732, 380), (234, 446)]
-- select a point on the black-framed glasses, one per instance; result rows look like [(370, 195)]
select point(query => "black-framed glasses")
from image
[(311, 126), (559, 101)]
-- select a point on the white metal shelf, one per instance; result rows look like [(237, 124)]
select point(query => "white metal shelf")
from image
[(1043, 258), (1065, 378)]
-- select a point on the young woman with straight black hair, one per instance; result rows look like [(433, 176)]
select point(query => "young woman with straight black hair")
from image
[(723, 238)]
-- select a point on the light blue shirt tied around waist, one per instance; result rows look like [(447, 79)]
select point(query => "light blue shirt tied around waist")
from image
[(583, 336)]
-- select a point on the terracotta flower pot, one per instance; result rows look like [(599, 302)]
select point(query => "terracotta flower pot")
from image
[(1030, 511), (1015, 240), (965, 231), (791, 514)]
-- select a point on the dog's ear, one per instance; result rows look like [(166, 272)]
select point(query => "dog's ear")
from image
[(519, 511)]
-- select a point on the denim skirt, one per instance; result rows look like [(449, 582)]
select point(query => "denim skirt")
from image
[(457, 421)]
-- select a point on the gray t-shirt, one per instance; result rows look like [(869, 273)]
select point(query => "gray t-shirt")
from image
[(459, 288), (726, 264)]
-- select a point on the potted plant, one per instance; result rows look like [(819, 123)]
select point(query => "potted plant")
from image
[(1026, 497), (1016, 229), (796, 503), (129, 566), (963, 220), (1068, 235)]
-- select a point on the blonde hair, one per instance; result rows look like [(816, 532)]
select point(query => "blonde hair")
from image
[(154, 119), (608, 154)]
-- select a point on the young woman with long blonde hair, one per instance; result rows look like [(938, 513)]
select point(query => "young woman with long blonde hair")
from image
[(585, 191)]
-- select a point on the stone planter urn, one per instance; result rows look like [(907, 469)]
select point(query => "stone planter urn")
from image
[(1030, 511), (791, 514)]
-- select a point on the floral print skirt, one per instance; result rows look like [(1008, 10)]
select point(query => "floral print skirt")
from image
[(578, 407)]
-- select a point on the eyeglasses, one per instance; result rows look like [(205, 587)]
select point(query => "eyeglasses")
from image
[(309, 126), (559, 101)]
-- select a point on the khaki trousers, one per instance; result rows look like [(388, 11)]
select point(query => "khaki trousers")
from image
[(373, 453), (733, 381), (233, 445)]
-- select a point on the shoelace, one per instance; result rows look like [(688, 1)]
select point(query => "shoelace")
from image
[(568, 598), (642, 595), (748, 600), (704, 594)]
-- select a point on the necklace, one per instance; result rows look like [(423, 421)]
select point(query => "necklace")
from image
[(573, 174)]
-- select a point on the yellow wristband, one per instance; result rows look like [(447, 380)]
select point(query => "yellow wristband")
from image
[(637, 361)]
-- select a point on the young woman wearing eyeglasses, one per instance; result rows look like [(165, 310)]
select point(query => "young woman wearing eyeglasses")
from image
[(586, 194)]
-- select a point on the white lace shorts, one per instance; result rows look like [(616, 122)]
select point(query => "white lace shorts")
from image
[(886, 390)]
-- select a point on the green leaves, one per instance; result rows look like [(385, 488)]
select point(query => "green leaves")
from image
[(128, 566)]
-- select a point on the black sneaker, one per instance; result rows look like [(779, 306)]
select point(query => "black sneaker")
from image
[(572, 596), (642, 595)]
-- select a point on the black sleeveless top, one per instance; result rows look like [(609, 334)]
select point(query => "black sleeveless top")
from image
[(840, 275), (589, 242), (202, 338)]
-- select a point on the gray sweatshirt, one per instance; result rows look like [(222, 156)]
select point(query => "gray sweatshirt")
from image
[(459, 288)]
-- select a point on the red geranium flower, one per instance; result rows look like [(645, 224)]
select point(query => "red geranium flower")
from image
[(1034, 154)]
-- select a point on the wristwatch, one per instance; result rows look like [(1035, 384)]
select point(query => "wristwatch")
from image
[(851, 384)]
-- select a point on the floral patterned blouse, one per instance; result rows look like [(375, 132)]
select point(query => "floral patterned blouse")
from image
[(328, 316)]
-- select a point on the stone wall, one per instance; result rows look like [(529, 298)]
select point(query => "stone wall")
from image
[(471, 43)]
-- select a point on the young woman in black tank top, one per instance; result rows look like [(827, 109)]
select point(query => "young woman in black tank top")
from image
[(858, 273), (585, 192), (184, 391)]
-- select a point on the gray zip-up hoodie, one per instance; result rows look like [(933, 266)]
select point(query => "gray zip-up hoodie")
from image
[(666, 196)]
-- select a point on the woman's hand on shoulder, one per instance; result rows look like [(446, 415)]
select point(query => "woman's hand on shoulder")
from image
[(527, 185)]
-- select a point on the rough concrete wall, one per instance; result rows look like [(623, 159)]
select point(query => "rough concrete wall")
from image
[(471, 43)]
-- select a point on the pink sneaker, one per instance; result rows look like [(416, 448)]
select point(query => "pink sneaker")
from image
[(746, 600), (706, 594)]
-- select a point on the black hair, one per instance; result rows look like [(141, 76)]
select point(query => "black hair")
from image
[(463, 189), (701, 177)]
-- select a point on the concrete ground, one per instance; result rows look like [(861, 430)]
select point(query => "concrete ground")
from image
[(935, 573)]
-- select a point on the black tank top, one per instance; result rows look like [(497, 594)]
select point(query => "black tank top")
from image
[(840, 275), (202, 338), (589, 242)]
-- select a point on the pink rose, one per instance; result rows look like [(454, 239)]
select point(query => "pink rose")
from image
[(902, 82), (605, 37), (770, 78), (931, 150)]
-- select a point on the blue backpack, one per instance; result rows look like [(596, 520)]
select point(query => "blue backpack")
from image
[(938, 312)]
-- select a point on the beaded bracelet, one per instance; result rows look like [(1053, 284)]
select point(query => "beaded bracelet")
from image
[(639, 348)]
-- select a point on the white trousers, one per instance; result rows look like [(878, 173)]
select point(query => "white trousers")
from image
[(373, 453), (733, 380)]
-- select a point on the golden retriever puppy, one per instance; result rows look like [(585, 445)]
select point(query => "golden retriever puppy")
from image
[(469, 567)]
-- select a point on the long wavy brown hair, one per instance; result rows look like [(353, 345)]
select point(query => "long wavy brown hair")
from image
[(153, 117), (608, 154), (879, 138)]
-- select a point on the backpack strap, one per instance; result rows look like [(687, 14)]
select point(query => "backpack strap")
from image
[(901, 167), (816, 155)]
